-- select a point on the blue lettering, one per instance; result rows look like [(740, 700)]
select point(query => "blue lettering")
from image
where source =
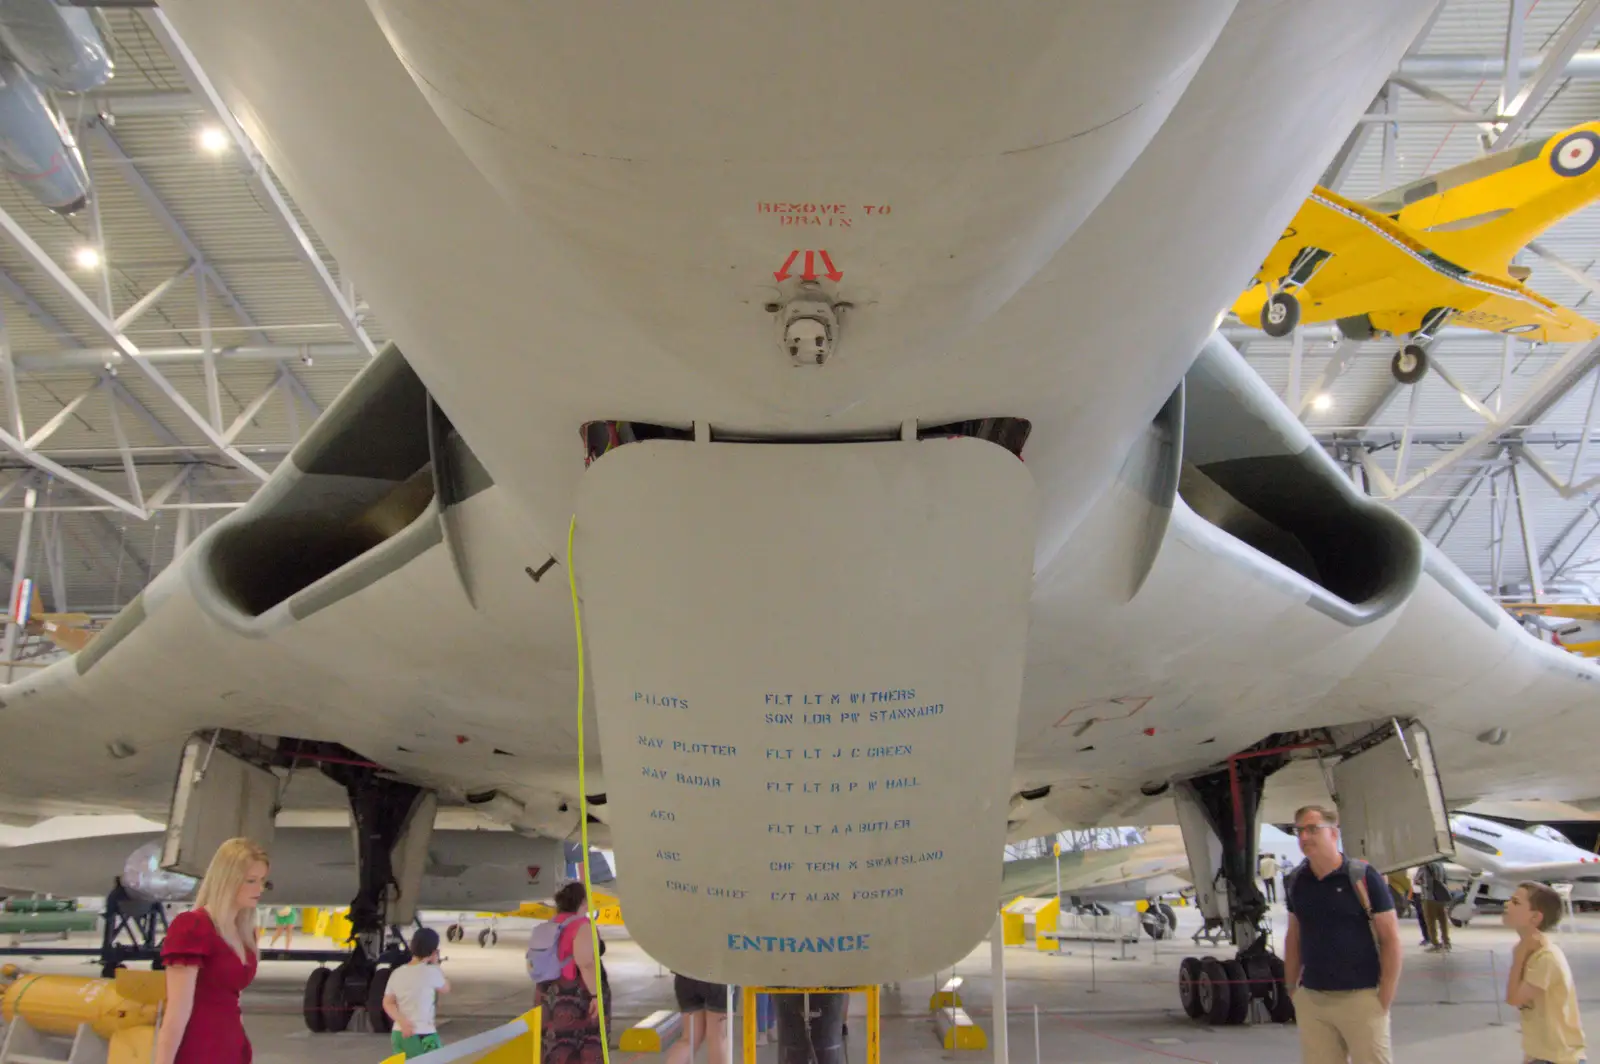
[(815, 944)]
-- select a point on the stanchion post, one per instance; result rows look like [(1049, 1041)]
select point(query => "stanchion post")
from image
[(1494, 990), (1093, 985), (1038, 1046), (997, 980)]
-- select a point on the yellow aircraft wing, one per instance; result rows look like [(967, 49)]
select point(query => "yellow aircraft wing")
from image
[(1378, 269)]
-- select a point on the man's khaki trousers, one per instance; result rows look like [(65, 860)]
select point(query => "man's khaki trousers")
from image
[(1341, 1025)]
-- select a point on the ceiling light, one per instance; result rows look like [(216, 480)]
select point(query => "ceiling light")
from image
[(213, 140), (87, 258), (1322, 403)]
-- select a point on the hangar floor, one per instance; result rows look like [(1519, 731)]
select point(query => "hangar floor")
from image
[(1092, 1009)]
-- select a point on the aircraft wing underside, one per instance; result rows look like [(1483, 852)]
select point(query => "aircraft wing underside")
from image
[(398, 616)]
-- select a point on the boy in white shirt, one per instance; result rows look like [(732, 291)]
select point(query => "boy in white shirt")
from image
[(1540, 984), (412, 994)]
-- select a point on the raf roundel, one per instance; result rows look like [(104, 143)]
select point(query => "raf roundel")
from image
[(1575, 154)]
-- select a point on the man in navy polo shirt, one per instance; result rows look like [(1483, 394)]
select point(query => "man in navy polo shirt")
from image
[(1341, 957)]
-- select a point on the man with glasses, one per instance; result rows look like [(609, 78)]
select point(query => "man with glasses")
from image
[(1341, 956)]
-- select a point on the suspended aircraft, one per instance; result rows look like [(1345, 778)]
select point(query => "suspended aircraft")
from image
[(748, 393), (46, 46), (1432, 252)]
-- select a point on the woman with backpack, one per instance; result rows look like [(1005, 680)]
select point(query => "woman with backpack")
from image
[(565, 968)]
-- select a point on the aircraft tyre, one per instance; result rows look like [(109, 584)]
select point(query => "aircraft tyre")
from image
[(453, 933), (376, 1017), (1189, 988), (1409, 364), (1215, 994), (1280, 314), (487, 937), (1240, 991), (1169, 914), (1280, 1006), (313, 1001), (337, 1008)]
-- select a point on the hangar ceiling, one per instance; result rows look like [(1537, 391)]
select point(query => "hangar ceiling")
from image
[(163, 348)]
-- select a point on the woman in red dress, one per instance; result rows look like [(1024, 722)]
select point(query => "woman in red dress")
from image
[(210, 955)]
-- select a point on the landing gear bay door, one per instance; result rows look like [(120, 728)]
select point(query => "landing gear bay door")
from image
[(218, 796), (1391, 806)]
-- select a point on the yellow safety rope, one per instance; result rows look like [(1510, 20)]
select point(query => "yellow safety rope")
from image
[(583, 800)]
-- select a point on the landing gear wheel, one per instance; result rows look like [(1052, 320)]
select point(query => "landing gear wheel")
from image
[(1215, 997), (487, 938), (453, 933), (1280, 314), (1169, 914), (1239, 992), (380, 1021), (313, 1001), (1409, 364), (1189, 988), (1279, 1005), (336, 1006)]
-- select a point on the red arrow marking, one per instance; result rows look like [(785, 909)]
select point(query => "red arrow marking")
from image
[(833, 273), (811, 267), (783, 274)]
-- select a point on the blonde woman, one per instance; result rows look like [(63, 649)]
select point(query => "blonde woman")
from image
[(210, 954)]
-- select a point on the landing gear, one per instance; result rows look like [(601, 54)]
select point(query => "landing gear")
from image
[(1159, 921), (1280, 314), (454, 933), (488, 937), (1409, 364), (1219, 814), (393, 822)]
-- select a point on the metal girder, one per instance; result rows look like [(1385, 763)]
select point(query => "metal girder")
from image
[(19, 571), (150, 298), (1459, 67), (1551, 385), (47, 320), (1525, 104), (60, 417), (108, 145), (1391, 136), (67, 476), (1572, 526), (125, 347), (1511, 76), (201, 86), (253, 409), (1344, 160), (1337, 363), (1576, 273), (1530, 543), (1455, 113), (1456, 508), (129, 468), (101, 357)]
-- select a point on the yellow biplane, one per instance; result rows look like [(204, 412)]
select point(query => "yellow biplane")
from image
[(1433, 252)]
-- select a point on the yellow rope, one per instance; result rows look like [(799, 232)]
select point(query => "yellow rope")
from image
[(583, 801)]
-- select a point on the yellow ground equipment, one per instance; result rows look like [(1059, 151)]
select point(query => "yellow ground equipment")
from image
[(116, 1017), (874, 1039)]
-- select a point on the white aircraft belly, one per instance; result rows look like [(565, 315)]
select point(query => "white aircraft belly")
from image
[(505, 322)]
